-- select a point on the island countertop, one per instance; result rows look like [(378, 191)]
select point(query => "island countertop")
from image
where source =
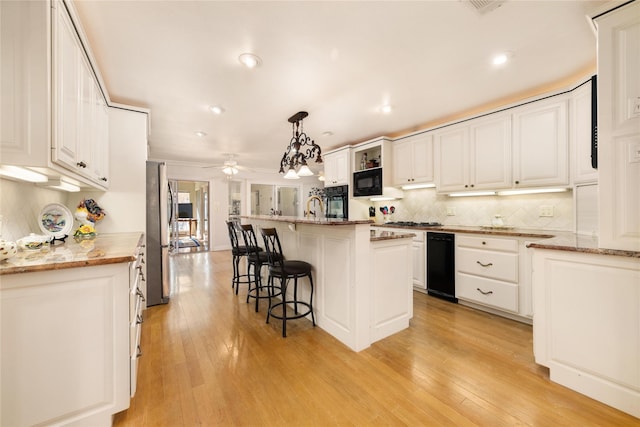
[(303, 220), (105, 249)]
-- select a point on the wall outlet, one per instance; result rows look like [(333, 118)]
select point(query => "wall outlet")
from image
[(451, 211), (546, 211)]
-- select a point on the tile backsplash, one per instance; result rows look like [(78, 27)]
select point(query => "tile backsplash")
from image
[(517, 211), (20, 206)]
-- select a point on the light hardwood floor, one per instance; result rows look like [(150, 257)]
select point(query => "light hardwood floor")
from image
[(209, 359)]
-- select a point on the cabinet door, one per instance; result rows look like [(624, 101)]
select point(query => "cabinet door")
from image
[(581, 136), (336, 168), (67, 83), (24, 104), (86, 124), (419, 265), (101, 142), (451, 160), (541, 144), (402, 162), (490, 153), (422, 158)]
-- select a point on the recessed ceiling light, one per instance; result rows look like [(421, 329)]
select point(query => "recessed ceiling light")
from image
[(327, 134), (500, 58), (386, 109), (249, 60), (201, 134), (216, 109)]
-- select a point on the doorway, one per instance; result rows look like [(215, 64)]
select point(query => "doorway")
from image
[(189, 226)]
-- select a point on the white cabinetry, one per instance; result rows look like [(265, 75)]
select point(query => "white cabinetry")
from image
[(65, 346), (336, 167), (493, 273), (487, 271), (475, 156), (419, 255), (580, 125), (136, 306), (413, 160), (619, 127), (541, 144), (51, 115), (79, 112), (586, 328)]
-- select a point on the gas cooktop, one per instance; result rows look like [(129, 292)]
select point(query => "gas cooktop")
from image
[(414, 224)]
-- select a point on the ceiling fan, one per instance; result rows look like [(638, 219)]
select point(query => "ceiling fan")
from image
[(230, 166)]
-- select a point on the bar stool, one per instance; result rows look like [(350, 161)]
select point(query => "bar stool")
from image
[(237, 252), (256, 259), (286, 270)]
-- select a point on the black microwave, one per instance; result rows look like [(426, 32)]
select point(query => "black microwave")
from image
[(367, 182)]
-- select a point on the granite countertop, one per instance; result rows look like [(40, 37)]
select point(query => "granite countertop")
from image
[(379, 235), (548, 239), (105, 249), (302, 220)]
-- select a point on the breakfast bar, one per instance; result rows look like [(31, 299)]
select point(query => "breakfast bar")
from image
[(359, 298)]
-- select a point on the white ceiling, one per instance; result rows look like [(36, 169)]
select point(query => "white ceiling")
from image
[(339, 61)]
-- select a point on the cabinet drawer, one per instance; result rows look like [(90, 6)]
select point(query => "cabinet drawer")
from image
[(135, 328), (489, 243), (501, 295), (490, 264)]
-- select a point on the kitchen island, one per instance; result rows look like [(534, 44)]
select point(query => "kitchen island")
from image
[(362, 277)]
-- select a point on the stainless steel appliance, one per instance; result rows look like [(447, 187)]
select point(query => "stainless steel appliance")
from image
[(367, 182), (159, 213), (337, 201), (441, 274)]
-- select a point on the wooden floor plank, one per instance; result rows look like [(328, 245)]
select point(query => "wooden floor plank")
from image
[(209, 359)]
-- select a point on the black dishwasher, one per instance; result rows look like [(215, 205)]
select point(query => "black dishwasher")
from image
[(441, 272)]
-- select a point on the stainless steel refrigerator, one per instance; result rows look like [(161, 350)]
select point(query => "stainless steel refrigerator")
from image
[(159, 214)]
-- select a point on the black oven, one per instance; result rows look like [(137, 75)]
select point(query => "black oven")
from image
[(367, 182), (337, 202)]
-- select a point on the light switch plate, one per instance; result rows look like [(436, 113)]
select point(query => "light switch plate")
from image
[(451, 211)]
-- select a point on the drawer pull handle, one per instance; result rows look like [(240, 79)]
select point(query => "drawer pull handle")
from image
[(485, 265), (140, 294), (139, 319), (483, 292), (139, 352)]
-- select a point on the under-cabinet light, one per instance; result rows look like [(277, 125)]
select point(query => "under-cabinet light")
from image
[(381, 199), (473, 193), (531, 191), (61, 184), (22, 174), (417, 186)]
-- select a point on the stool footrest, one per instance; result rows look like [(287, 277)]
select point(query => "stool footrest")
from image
[(294, 316)]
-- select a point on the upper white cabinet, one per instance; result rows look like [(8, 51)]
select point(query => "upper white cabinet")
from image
[(580, 127), (475, 155), (413, 160), (619, 127), (336, 167), (541, 144), (53, 110)]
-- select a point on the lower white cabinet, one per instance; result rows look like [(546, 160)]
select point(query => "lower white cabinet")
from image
[(65, 346), (420, 260), (136, 306), (493, 274), (586, 327)]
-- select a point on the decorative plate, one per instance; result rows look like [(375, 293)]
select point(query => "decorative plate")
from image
[(56, 220)]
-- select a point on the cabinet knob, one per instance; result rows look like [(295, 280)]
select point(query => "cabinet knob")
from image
[(472, 185), (484, 243), (81, 164), (466, 186), (104, 178), (517, 182)]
